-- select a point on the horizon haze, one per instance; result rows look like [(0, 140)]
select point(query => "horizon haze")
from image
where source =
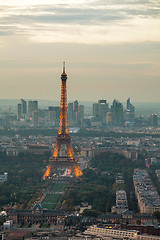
[(111, 49)]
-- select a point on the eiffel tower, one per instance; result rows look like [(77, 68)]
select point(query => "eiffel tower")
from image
[(63, 138)]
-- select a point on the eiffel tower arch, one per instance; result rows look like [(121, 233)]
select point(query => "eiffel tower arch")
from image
[(63, 138)]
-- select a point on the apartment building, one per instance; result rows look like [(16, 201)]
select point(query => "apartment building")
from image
[(121, 202), (148, 198), (105, 232)]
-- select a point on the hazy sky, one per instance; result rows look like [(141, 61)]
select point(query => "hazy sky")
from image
[(111, 49)]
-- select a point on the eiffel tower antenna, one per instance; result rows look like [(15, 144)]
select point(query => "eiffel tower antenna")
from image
[(63, 67), (63, 138)]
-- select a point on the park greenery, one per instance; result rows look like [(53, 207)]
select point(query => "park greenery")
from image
[(83, 132), (55, 190), (97, 186), (51, 200), (24, 183)]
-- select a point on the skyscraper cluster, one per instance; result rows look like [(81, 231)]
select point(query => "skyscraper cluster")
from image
[(21, 108), (23, 112), (100, 110), (75, 112), (115, 115), (32, 106), (130, 112), (103, 115), (29, 111), (53, 115)]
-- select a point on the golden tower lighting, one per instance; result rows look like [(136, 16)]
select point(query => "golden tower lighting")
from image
[(63, 138)]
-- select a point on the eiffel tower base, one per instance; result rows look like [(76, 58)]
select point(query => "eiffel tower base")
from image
[(62, 163)]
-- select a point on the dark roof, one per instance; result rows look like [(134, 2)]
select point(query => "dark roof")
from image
[(17, 234), (29, 211), (145, 216), (127, 212), (37, 206), (115, 216), (110, 216)]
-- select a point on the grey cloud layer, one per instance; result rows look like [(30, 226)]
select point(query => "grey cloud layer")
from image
[(98, 12)]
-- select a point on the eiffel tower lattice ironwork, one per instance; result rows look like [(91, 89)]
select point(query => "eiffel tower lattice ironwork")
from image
[(63, 138)]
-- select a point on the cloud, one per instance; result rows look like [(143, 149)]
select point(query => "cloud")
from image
[(90, 22), (32, 70)]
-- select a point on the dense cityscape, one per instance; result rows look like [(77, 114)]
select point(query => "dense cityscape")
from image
[(98, 115), (79, 120), (108, 190)]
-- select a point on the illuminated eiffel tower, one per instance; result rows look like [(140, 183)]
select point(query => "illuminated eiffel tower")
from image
[(63, 138)]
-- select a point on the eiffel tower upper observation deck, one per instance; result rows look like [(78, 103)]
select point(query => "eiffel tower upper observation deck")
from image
[(63, 138)]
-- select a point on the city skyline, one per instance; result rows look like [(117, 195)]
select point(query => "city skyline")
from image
[(111, 49)]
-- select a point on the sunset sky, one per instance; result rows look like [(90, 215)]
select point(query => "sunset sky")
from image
[(111, 49)]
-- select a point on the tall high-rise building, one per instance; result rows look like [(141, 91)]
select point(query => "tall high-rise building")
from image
[(35, 118), (75, 110), (95, 109), (103, 107), (130, 106), (100, 110), (56, 111), (153, 120), (117, 113), (32, 106), (23, 106), (52, 116), (80, 115), (70, 111), (19, 111), (130, 112)]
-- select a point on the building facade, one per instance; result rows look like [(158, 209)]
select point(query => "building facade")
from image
[(147, 195), (32, 106), (37, 215), (117, 114)]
